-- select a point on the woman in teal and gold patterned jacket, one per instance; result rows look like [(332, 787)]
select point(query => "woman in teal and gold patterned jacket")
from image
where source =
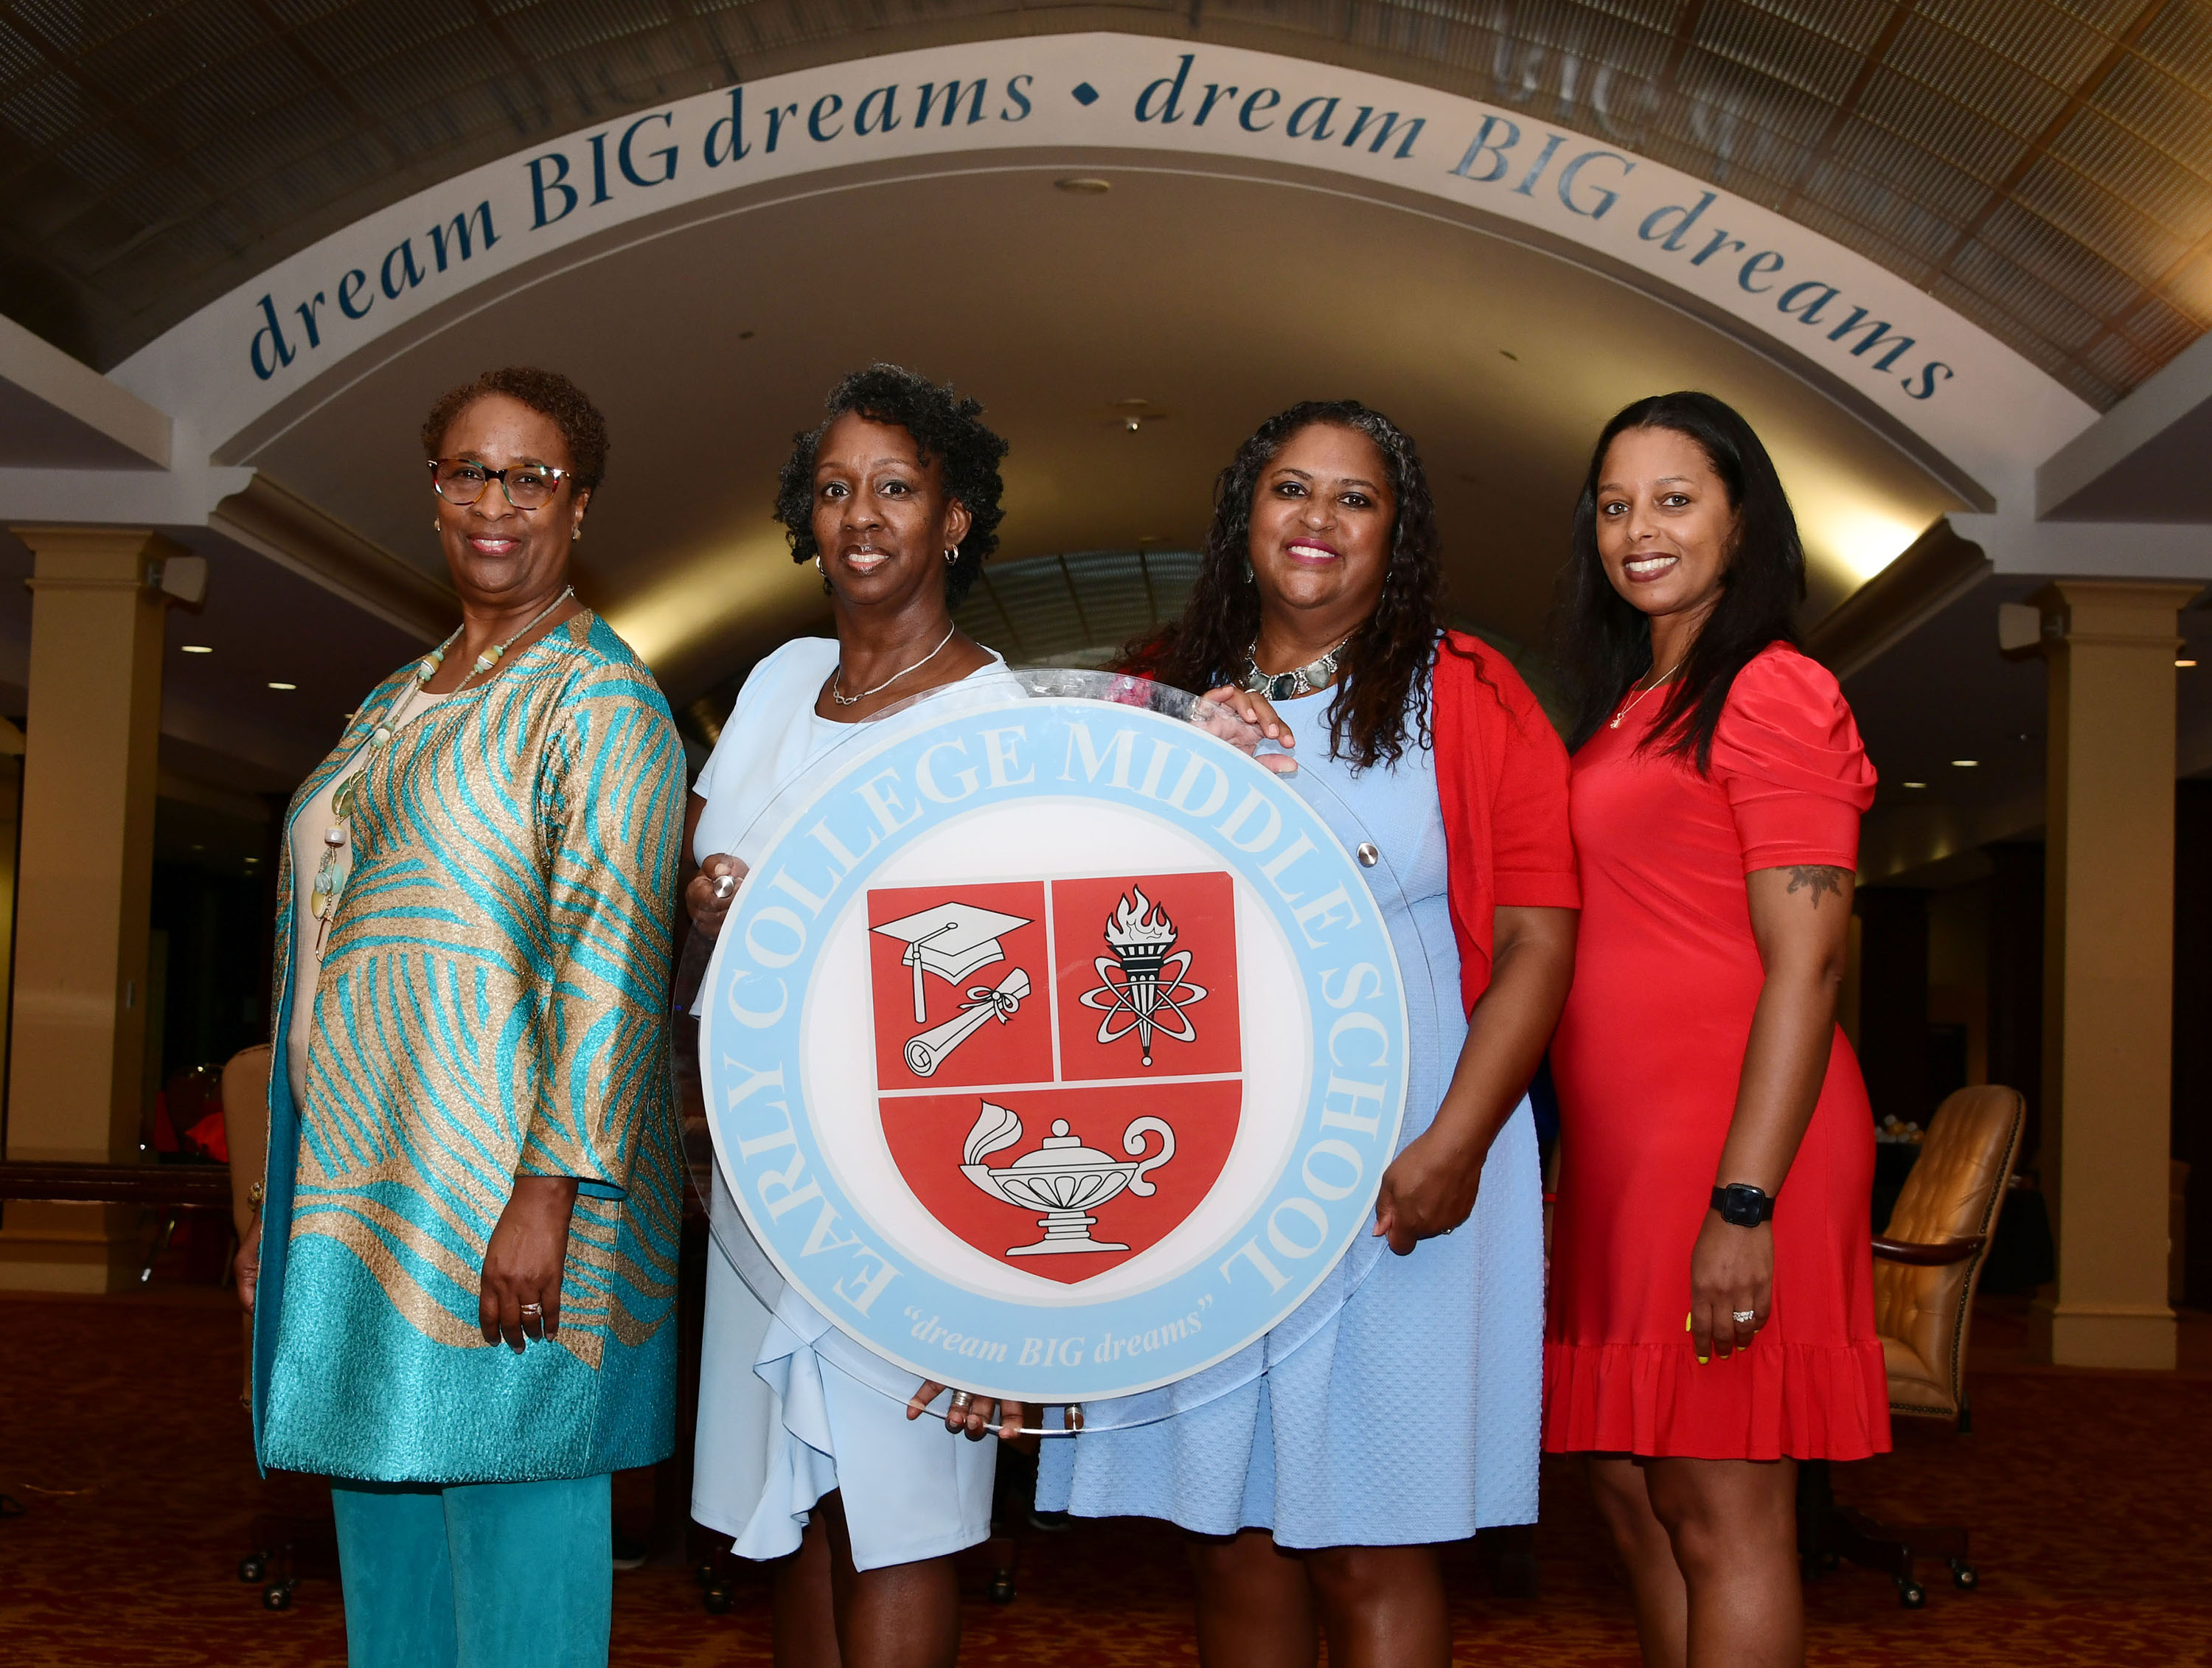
[(466, 1263)]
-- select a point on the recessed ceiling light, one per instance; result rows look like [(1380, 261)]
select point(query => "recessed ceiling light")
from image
[(275, 685), (2184, 663), (253, 859), (1912, 784), (1083, 186), (198, 648), (1965, 764)]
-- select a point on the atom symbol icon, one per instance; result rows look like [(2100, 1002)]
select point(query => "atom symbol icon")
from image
[(1152, 984)]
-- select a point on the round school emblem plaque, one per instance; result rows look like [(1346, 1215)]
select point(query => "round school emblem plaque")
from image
[(1053, 1048)]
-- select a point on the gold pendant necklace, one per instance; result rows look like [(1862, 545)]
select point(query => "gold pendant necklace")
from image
[(1629, 705), (336, 867)]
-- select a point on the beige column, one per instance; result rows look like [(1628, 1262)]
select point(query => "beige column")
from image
[(2108, 969), (75, 1071)]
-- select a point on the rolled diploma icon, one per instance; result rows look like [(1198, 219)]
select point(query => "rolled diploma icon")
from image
[(925, 1053)]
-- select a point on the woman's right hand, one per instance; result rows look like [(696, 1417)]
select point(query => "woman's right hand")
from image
[(247, 1264), (707, 899), (1258, 715)]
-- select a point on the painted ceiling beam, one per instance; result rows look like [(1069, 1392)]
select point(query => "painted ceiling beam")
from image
[(2143, 460), (57, 413), (272, 521)]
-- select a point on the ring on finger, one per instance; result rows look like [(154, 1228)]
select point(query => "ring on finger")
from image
[(533, 1311), (1743, 1317), (961, 1401)]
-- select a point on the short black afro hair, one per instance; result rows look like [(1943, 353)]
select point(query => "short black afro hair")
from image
[(550, 394), (944, 428)]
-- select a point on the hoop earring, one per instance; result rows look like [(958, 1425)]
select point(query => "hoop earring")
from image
[(951, 555)]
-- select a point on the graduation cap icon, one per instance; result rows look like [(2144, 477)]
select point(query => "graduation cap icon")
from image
[(951, 940)]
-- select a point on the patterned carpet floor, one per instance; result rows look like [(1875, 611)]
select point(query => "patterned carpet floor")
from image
[(2089, 1496)]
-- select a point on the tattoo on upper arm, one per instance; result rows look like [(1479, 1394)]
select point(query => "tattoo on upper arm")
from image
[(1820, 877)]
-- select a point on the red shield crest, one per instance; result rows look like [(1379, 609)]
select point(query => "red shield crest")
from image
[(1058, 1063)]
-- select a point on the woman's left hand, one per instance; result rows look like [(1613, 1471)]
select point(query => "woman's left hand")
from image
[(1430, 1189), (1731, 1272), (523, 1262), (973, 1416)]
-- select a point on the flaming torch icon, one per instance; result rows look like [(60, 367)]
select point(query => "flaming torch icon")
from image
[(1150, 993)]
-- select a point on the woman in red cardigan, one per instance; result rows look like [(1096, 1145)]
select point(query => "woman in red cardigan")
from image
[(1712, 1309), (1316, 1470)]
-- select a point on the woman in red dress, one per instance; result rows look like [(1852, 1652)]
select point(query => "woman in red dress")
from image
[(1712, 1311)]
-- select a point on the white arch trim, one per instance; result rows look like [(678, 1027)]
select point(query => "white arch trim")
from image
[(1984, 408)]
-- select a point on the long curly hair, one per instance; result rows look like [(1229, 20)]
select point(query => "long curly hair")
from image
[(946, 429), (550, 394), (1381, 704), (1605, 642)]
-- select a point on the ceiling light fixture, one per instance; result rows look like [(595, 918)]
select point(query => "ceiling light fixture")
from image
[(1083, 185), (2184, 662), (274, 684), (1965, 764), (1912, 784), (198, 648)]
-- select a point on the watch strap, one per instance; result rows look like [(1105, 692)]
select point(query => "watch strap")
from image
[(1743, 1205)]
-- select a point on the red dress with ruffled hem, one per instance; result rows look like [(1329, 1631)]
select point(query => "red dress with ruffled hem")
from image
[(1647, 1060)]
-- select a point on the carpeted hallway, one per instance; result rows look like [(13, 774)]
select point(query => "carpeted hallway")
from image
[(2087, 1494)]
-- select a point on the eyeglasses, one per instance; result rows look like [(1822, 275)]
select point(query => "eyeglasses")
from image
[(527, 486)]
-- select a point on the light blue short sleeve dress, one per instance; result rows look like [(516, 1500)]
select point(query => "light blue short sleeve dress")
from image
[(1404, 1409), (788, 1409)]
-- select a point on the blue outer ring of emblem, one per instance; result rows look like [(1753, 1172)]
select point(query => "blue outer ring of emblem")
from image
[(1060, 1349)]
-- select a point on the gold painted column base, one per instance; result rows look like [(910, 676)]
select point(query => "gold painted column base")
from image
[(2073, 1335)]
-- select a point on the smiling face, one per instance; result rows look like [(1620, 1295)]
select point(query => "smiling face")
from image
[(500, 556), (882, 521), (1665, 528), (1323, 520)]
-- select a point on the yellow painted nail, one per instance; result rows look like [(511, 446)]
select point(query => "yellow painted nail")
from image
[(1686, 1323), (1701, 1360)]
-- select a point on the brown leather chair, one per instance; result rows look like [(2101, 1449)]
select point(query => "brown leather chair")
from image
[(1927, 1261)]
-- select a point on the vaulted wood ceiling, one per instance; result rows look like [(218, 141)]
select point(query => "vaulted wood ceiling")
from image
[(2043, 165)]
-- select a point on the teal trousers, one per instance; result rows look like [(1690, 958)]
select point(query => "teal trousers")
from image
[(477, 1575)]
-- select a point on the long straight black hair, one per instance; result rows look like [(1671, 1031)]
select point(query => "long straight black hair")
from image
[(1605, 643)]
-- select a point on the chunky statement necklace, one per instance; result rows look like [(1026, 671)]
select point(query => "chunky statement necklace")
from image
[(837, 677), (1299, 681), (336, 865), (1629, 705)]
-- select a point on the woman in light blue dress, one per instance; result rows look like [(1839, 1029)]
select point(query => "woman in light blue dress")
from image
[(1397, 1408), (811, 1451)]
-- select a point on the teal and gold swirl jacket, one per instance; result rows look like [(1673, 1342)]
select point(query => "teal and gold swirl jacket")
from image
[(493, 1001)]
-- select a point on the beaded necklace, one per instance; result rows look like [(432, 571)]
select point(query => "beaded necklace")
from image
[(336, 865)]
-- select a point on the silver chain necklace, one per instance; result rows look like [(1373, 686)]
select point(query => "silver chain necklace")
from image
[(1299, 681), (837, 677)]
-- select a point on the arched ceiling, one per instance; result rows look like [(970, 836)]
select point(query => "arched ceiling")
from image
[(2044, 167)]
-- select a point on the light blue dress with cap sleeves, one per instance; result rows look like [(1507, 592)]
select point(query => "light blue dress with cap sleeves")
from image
[(1396, 1409), (789, 1409)]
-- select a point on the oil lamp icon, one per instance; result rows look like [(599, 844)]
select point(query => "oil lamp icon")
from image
[(1150, 986), (1063, 1178)]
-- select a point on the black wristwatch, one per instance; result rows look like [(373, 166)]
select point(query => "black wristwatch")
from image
[(1744, 1206)]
